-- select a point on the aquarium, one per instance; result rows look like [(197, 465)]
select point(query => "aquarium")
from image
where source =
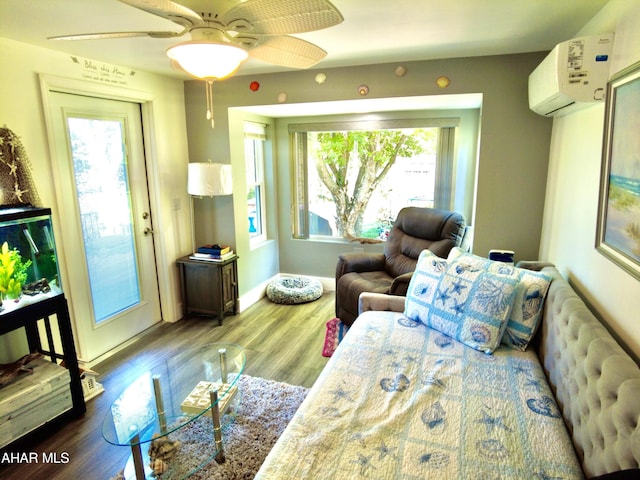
[(28, 262)]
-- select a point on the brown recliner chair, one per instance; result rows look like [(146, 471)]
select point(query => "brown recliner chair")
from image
[(414, 230)]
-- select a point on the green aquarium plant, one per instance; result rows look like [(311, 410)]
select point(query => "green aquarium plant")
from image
[(13, 272)]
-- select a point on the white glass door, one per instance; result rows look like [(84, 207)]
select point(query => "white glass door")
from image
[(107, 230)]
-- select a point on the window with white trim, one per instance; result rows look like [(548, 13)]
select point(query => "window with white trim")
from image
[(352, 178), (254, 139)]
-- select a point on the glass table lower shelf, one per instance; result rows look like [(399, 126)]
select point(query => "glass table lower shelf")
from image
[(190, 390)]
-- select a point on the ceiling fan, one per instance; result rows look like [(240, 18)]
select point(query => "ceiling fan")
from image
[(233, 30), (257, 28)]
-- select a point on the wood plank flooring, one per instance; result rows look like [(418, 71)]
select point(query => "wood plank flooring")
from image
[(282, 343)]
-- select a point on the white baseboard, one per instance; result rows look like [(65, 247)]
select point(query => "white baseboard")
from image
[(254, 295), (177, 314)]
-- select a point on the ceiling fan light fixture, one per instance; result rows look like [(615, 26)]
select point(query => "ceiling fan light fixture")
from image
[(207, 59)]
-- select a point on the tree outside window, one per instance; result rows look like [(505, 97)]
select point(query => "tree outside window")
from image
[(352, 183)]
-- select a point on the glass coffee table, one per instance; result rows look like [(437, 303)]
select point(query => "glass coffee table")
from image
[(197, 382)]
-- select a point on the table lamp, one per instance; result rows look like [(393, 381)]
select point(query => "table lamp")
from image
[(207, 180)]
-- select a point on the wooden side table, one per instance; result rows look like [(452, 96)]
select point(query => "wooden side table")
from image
[(209, 287)]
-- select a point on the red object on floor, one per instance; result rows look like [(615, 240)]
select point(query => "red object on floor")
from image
[(336, 330)]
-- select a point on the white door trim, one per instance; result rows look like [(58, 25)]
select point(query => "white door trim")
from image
[(56, 83)]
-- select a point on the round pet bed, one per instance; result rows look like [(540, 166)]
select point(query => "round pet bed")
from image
[(293, 290)]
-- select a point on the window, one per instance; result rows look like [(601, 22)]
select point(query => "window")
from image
[(351, 179), (254, 138), (103, 186)]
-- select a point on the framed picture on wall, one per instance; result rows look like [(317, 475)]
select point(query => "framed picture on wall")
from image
[(618, 232)]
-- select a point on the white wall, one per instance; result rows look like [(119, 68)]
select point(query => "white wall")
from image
[(21, 110), (571, 205)]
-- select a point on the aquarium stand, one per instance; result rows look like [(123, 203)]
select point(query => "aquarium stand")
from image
[(28, 317)]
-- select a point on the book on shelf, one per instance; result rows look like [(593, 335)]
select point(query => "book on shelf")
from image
[(211, 257), (214, 249)]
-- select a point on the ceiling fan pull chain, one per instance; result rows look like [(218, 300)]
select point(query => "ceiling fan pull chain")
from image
[(209, 89)]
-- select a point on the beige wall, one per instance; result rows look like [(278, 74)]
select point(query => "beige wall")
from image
[(570, 218), (21, 110)]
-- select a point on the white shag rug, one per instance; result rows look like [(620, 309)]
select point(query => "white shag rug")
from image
[(250, 430)]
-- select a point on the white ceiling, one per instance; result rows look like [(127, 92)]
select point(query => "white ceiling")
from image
[(373, 31)]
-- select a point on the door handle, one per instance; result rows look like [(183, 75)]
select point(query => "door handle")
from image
[(147, 231)]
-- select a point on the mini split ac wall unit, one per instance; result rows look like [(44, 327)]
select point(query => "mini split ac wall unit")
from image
[(572, 76)]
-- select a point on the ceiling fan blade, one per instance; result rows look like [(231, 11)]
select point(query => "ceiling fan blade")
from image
[(162, 8), (107, 35), (287, 51), (168, 10), (278, 17)]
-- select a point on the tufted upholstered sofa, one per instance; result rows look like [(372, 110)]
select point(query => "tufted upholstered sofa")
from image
[(596, 384), (595, 409)]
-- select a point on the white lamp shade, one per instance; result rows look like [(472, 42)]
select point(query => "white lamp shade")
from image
[(209, 179)]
